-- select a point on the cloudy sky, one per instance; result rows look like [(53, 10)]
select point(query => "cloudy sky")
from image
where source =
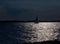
[(28, 9)]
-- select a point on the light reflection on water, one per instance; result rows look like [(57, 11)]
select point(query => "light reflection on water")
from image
[(40, 32)]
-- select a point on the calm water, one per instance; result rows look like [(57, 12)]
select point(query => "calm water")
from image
[(13, 33)]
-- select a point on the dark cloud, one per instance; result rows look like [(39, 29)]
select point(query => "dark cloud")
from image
[(25, 10)]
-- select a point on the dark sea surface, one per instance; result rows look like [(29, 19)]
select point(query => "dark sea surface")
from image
[(18, 33)]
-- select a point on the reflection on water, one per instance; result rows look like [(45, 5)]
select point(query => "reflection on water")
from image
[(29, 32), (40, 32)]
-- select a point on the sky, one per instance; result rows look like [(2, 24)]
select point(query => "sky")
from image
[(29, 9)]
